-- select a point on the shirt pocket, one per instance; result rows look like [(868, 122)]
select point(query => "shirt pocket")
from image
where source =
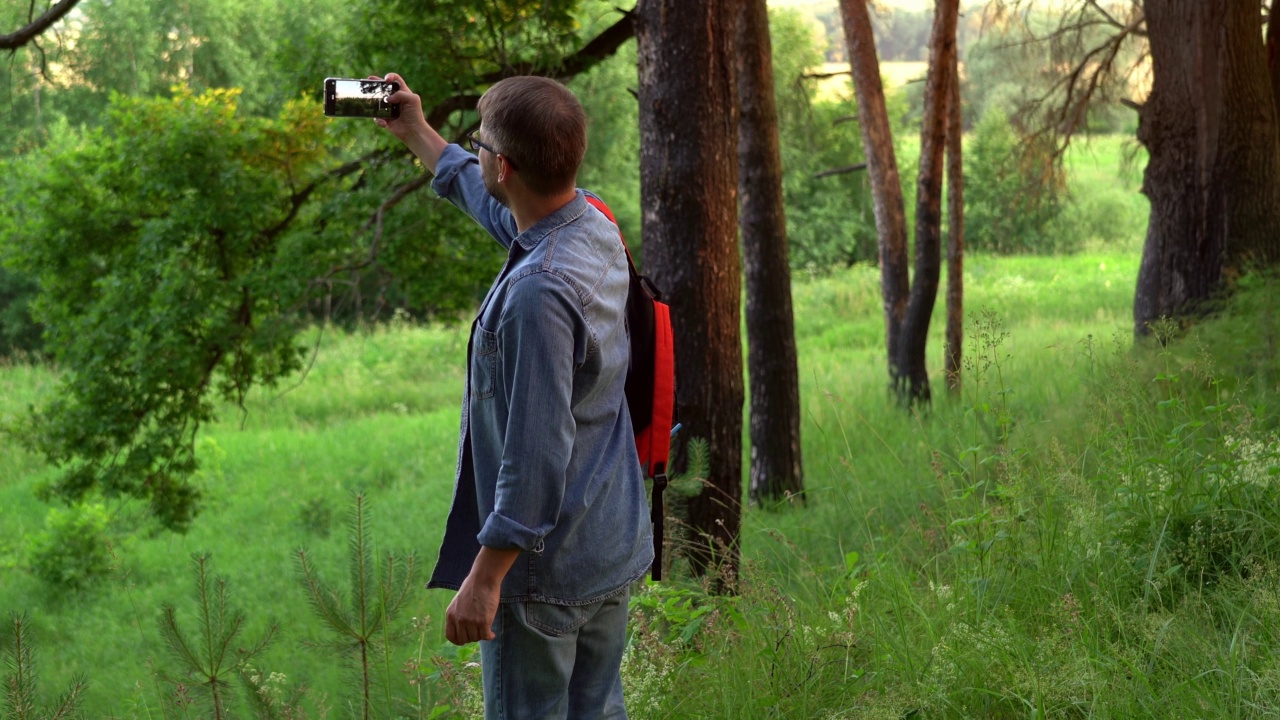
[(484, 363)]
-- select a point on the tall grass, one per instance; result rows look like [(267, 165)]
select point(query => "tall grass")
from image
[(1087, 530), (1107, 548)]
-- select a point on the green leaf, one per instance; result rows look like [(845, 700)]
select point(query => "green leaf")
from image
[(851, 561)]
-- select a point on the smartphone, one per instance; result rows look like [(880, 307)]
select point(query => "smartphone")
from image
[(345, 97)]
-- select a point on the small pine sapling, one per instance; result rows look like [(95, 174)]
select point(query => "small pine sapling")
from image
[(361, 629), (21, 681), (206, 655)]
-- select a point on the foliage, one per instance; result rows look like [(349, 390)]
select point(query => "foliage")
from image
[(976, 562), (21, 682), (362, 630), (1013, 193), (1206, 506), (1012, 579), (829, 221), (213, 658), (167, 267), (379, 409), (231, 215), (611, 168), (19, 333), (74, 550), (455, 40)]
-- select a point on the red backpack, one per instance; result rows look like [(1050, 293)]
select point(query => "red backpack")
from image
[(651, 384)]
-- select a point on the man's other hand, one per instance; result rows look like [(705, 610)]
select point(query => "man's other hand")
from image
[(470, 616)]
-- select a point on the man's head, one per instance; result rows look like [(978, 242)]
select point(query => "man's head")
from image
[(540, 127)]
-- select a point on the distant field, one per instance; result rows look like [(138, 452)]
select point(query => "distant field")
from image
[(895, 74)]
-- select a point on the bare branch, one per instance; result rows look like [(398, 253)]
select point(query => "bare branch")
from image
[(1101, 11), (35, 27), (840, 170), (1060, 111), (824, 75)]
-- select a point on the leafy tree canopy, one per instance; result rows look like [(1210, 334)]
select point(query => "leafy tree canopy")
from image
[(181, 232)]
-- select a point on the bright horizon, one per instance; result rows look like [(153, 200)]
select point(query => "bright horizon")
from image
[(896, 4)]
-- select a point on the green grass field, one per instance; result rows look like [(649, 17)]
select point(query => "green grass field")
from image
[(1089, 530)]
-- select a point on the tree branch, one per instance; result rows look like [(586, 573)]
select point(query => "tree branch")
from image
[(824, 75), (840, 170), (1101, 11), (33, 29), (601, 47)]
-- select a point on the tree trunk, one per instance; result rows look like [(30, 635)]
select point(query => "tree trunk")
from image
[(1213, 177), (955, 233), (913, 384), (882, 170), (776, 471), (689, 182), (1273, 54)]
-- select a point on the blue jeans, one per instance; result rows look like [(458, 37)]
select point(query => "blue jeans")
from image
[(556, 661)]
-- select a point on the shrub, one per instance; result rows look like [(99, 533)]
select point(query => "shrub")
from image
[(73, 551), (1013, 192), (19, 333)]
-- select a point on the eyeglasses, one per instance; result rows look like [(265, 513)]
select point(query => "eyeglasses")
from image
[(477, 144)]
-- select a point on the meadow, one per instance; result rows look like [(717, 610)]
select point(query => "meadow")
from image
[(1089, 529)]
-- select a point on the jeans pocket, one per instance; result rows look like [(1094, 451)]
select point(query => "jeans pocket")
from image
[(484, 363), (556, 620)]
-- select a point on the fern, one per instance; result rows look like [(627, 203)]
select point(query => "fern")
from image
[(361, 629), (21, 681)]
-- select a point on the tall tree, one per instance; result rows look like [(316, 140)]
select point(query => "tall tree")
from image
[(882, 169), (1213, 177), (1210, 127), (776, 469), (689, 183), (1273, 54), (955, 233), (908, 309)]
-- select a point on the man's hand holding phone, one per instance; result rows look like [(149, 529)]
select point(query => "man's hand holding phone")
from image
[(412, 127)]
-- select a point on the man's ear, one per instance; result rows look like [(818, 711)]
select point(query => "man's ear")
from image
[(504, 168)]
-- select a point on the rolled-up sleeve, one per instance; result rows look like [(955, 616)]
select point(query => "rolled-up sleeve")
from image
[(459, 180), (542, 337)]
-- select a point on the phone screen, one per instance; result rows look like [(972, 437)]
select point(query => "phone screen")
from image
[(359, 98)]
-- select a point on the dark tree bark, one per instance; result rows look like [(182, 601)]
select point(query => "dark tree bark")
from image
[(33, 29), (776, 470), (913, 384), (1273, 54), (882, 170), (908, 309), (689, 183), (1213, 177), (955, 233)]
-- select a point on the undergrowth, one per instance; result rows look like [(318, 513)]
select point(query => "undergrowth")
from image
[(1111, 553)]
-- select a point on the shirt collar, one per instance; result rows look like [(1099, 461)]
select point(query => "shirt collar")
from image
[(571, 211)]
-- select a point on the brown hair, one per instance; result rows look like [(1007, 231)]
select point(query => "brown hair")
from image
[(540, 126)]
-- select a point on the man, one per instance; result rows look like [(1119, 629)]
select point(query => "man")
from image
[(549, 524)]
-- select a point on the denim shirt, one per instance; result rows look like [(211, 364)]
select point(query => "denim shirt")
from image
[(547, 462)]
